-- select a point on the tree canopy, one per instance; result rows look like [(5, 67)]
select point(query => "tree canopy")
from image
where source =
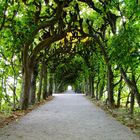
[(46, 45)]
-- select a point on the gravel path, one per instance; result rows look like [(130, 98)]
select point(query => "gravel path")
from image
[(67, 117)]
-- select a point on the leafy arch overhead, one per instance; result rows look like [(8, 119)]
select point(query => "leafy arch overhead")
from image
[(48, 44)]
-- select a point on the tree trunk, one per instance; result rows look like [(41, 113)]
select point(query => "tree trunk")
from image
[(14, 93), (110, 76), (131, 84), (84, 85), (26, 88), (132, 102), (55, 82), (97, 89), (92, 88), (32, 97), (119, 94), (110, 86), (45, 93), (50, 84), (136, 91), (101, 89), (1, 90), (127, 101), (14, 85), (27, 72), (87, 87), (40, 83), (90, 85)]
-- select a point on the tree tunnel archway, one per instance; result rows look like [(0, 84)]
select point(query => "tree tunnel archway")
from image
[(47, 35), (69, 87), (68, 73)]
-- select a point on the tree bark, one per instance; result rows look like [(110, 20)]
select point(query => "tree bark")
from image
[(45, 93), (27, 72), (14, 93), (87, 86), (90, 85), (101, 89), (92, 88), (131, 84), (127, 101), (110, 86), (26, 89), (1, 90), (97, 89), (50, 84), (119, 94), (40, 83), (132, 102), (110, 76), (32, 97)]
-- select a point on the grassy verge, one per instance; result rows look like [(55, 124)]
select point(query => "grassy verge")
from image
[(16, 115), (122, 115)]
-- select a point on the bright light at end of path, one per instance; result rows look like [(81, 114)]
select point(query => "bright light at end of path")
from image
[(69, 87)]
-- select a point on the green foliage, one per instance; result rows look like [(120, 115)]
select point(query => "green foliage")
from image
[(67, 74), (6, 109), (76, 57), (125, 47)]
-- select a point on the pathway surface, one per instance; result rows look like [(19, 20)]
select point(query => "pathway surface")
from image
[(67, 117)]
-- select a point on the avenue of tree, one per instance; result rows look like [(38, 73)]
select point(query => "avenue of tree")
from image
[(46, 45)]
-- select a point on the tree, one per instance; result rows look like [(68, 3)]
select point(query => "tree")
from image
[(41, 39)]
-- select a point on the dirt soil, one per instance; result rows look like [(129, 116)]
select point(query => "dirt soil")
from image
[(122, 115), (16, 115), (68, 116)]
